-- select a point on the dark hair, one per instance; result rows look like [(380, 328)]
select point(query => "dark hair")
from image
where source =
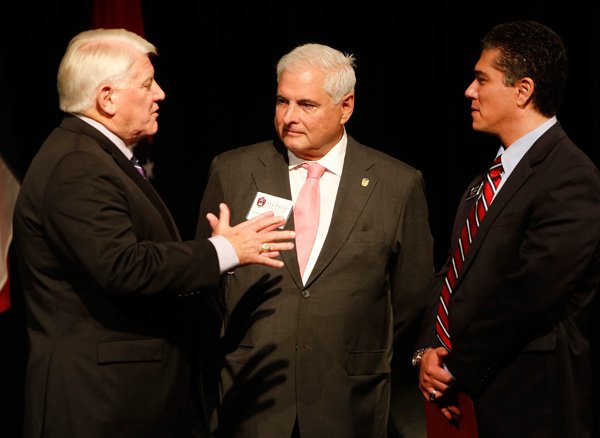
[(531, 49)]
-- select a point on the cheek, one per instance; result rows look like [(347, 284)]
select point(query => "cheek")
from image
[(326, 123)]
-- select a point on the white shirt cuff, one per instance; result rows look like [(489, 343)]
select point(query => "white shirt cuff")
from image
[(228, 258)]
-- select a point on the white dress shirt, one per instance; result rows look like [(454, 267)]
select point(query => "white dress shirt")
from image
[(329, 184)]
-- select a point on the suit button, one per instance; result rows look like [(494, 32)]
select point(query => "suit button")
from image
[(306, 293)]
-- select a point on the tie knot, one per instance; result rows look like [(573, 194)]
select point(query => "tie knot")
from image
[(314, 169), (496, 168), (138, 166)]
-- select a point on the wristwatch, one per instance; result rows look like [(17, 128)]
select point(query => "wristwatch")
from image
[(416, 359)]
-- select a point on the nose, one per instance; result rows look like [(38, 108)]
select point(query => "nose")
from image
[(471, 91), (289, 114), (158, 93)]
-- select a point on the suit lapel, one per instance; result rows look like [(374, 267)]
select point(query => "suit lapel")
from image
[(271, 175), (76, 124), (356, 185), (519, 176)]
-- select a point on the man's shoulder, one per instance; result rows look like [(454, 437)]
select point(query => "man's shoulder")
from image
[(379, 157)]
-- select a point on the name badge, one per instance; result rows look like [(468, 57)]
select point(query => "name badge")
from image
[(264, 202)]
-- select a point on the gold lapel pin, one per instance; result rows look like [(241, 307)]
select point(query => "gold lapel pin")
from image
[(364, 182)]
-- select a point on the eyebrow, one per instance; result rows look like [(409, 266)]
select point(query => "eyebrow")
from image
[(480, 73)]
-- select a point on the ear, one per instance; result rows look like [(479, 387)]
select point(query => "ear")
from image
[(347, 104), (105, 100), (525, 87)]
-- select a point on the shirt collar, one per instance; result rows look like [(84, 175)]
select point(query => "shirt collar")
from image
[(111, 136), (513, 154)]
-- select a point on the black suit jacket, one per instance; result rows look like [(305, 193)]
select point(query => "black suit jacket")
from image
[(517, 314), (102, 267), (336, 332)]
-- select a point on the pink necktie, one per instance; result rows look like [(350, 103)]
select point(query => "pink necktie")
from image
[(489, 190), (306, 213)]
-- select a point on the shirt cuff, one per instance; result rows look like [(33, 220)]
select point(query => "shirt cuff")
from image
[(228, 258)]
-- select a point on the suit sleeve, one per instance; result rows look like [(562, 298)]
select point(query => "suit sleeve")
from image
[(213, 195), (103, 228), (413, 267)]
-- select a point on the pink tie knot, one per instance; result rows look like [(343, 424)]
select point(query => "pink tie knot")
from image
[(314, 169)]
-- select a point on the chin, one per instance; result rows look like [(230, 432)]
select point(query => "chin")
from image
[(153, 130), (293, 144)]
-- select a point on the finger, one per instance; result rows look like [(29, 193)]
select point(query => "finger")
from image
[(272, 236), (266, 222), (264, 260), (454, 411), (271, 227), (447, 414), (275, 249), (271, 254), (213, 221), (261, 217), (224, 214)]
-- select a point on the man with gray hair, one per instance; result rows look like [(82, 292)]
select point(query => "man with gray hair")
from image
[(102, 265), (354, 283)]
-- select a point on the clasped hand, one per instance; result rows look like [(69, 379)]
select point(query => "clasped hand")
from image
[(435, 383)]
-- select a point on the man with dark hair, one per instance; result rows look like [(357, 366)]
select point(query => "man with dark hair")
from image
[(506, 324)]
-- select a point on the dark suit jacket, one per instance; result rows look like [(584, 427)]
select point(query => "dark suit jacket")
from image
[(335, 332), (517, 314), (102, 266)]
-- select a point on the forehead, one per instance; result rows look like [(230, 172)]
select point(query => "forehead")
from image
[(486, 65), (301, 80), (141, 69)]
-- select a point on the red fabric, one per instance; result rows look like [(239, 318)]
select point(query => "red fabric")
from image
[(125, 14), (5, 294), (439, 427), (9, 189)]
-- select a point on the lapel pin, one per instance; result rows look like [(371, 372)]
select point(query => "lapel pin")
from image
[(474, 191), (364, 182)]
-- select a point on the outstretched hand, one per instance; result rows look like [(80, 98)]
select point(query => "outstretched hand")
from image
[(256, 240)]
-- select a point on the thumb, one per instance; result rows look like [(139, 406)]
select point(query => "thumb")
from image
[(224, 213)]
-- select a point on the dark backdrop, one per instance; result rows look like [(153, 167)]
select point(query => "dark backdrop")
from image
[(217, 67)]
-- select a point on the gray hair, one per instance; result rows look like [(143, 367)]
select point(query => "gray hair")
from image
[(94, 58), (338, 67)]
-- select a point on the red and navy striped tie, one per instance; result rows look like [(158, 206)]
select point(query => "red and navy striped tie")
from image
[(488, 191)]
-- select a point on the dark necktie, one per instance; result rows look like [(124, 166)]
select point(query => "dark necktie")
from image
[(138, 166), (488, 191)]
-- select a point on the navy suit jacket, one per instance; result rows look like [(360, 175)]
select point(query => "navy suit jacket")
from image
[(518, 312)]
